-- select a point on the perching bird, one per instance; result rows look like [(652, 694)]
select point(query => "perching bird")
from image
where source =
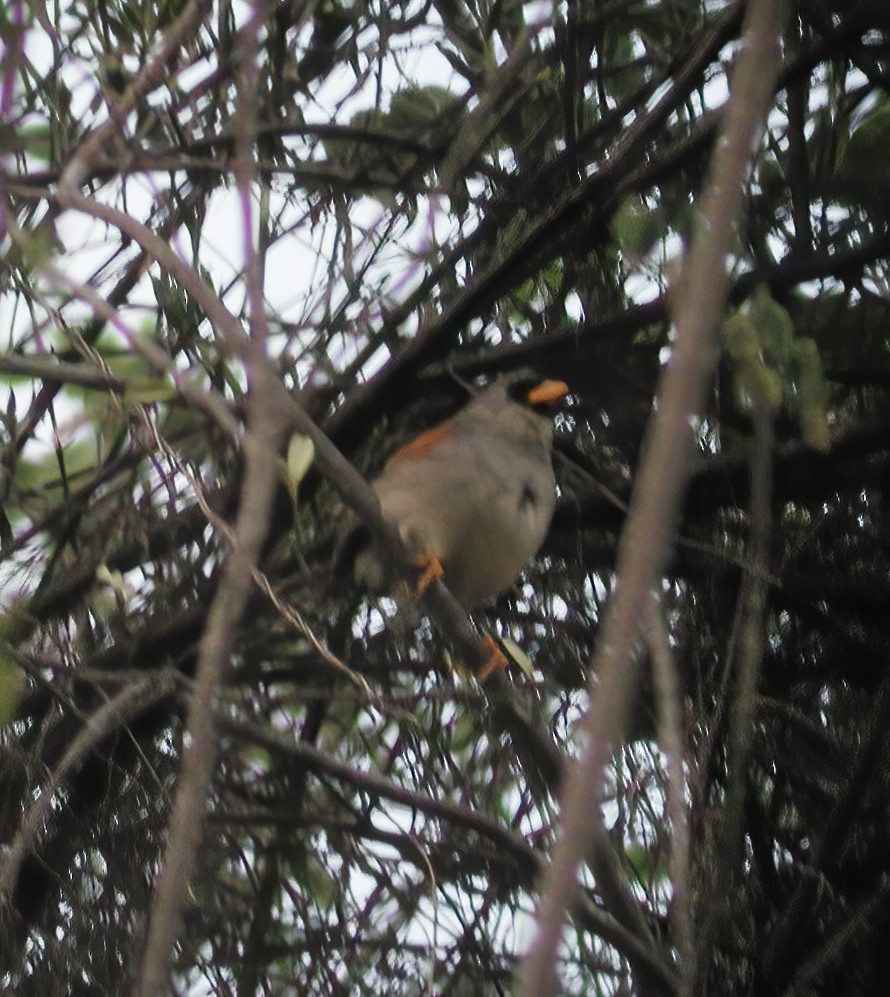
[(474, 495)]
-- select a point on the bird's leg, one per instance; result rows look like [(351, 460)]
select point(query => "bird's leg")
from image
[(428, 568), (494, 661)]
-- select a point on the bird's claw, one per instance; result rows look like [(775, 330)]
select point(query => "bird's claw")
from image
[(429, 568), (495, 659)]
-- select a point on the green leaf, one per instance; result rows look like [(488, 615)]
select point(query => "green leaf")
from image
[(774, 327), (416, 108), (48, 477), (812, 395), (865, 155), (637, 228), (147, 390), (115, 581), (740, 339), (756, 384), (300, 455), (10, 688), (32, 249), (519, 657), (316, 881), (11, 139)]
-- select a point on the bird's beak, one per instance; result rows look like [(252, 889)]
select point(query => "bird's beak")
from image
[(547, 393)]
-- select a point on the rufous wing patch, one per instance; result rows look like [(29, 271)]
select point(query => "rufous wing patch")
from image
[(421, 445)]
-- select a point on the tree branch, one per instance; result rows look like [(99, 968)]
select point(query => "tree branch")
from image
[(129, 702), (266, 427), (661, 482)]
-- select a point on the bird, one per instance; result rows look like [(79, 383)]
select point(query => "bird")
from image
[(473, 496)]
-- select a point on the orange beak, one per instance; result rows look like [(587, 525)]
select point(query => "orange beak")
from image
[(547, 392)]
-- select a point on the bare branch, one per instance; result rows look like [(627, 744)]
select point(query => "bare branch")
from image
[(661, 480), (266, 426), (129, 702)]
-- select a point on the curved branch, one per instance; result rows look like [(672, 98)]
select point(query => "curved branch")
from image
[(132, 700), (658, 490)]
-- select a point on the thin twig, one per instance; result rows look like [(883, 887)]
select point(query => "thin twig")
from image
[(133, 699), (669, 702), (266, 425), (61, 372), (661, 482), (508, 844), (725, 862)]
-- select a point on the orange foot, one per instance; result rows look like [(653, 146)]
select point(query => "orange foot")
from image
[(495, 659), (429, 568)]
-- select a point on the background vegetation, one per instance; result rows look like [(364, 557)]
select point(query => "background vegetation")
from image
[(433, 191)]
